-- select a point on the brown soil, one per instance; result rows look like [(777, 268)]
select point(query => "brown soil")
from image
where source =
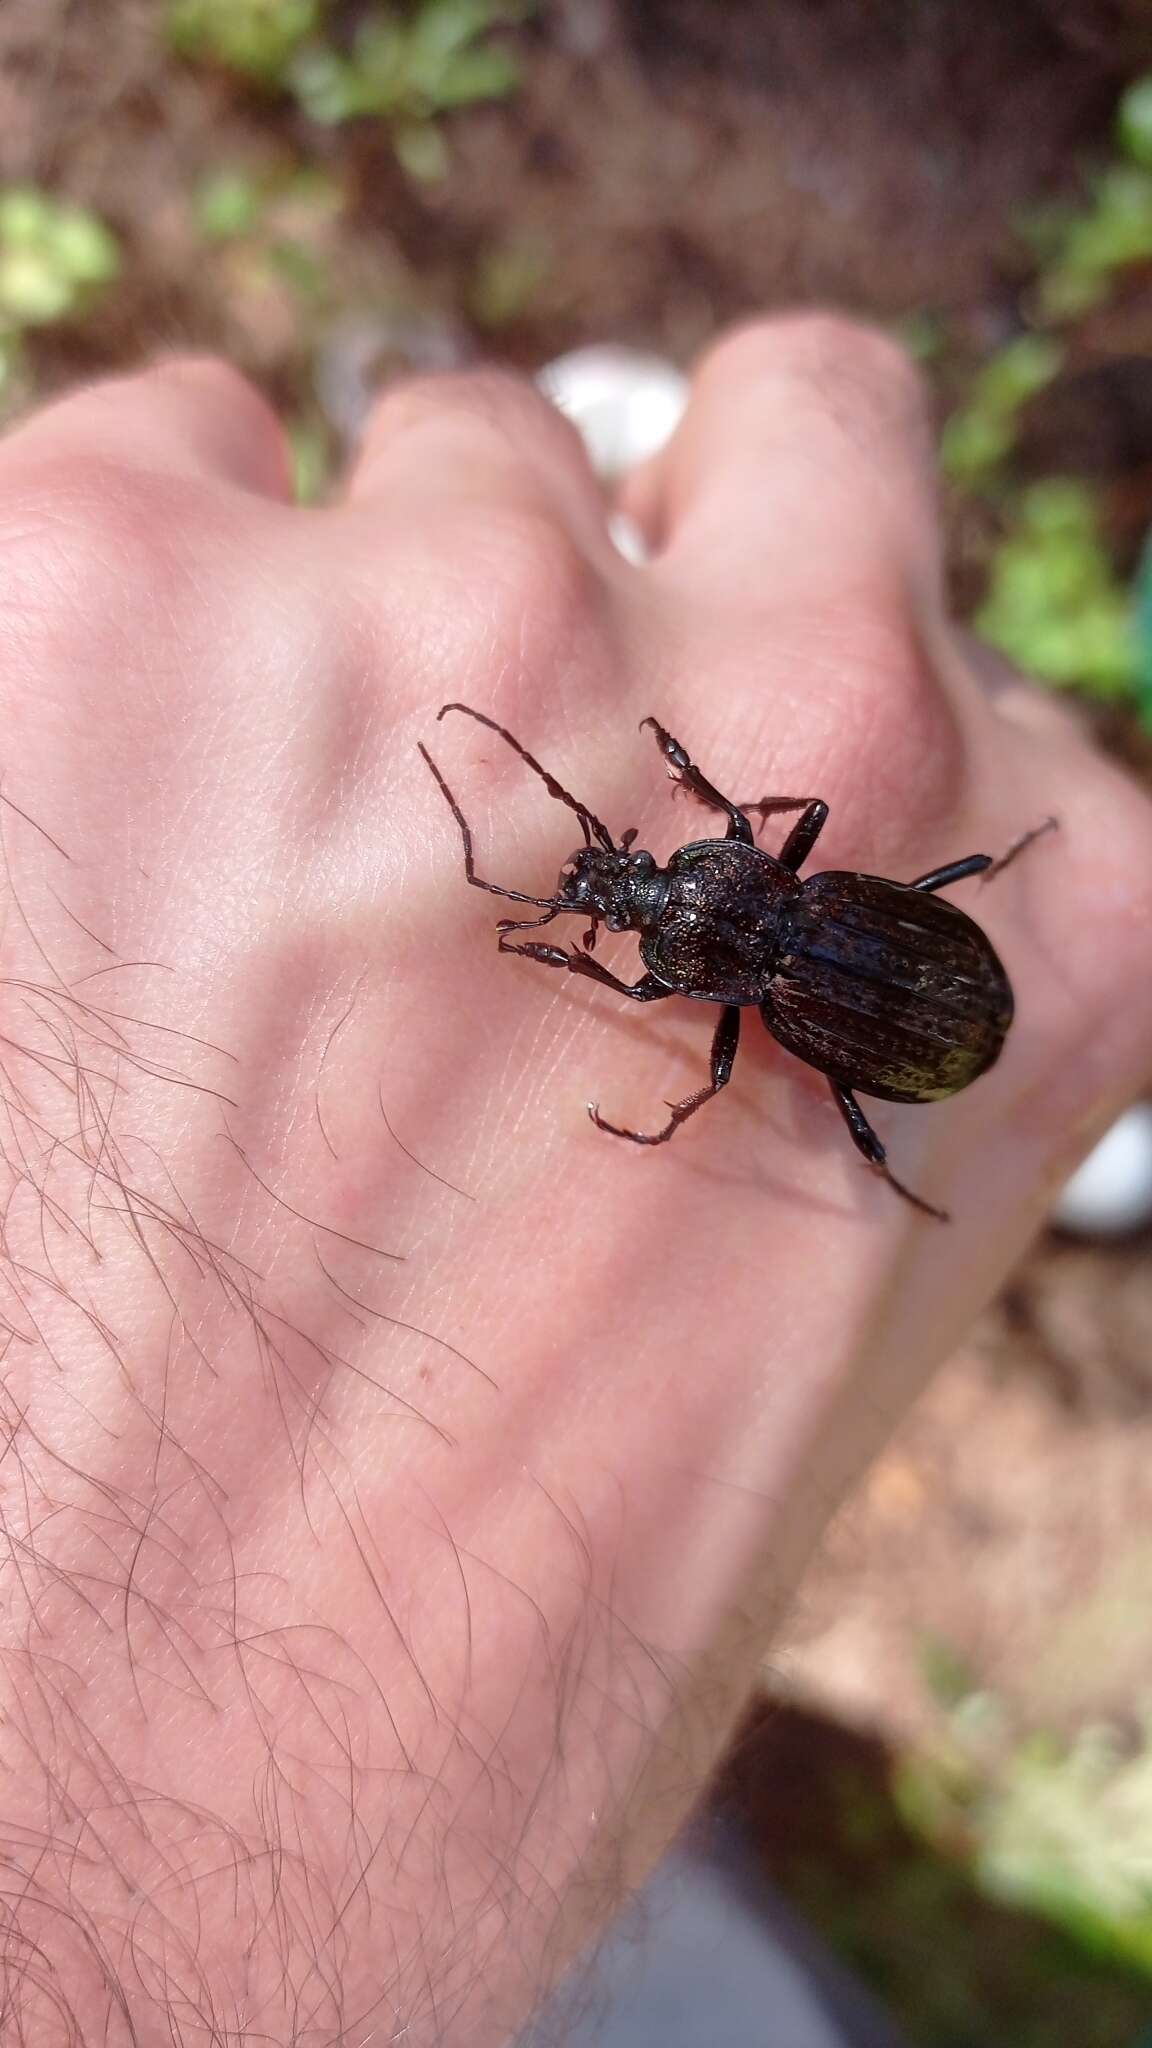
[(1011, 1518), (673, 164)]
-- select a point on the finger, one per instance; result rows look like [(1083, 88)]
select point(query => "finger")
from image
[(442, 445), (804, 455), (1021, 701), (194, 418)]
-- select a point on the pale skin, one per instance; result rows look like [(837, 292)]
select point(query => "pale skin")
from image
[(352, 1676)]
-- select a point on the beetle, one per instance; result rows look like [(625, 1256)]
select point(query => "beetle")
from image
[(880, 985)]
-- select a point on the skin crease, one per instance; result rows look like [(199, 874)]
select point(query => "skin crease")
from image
[(350, 1675)]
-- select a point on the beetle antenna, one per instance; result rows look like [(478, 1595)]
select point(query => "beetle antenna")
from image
[(591, 823), (550, 903)]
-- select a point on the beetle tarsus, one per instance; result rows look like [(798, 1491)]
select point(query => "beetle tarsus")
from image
[(907, 1195), (1018, 847), (534, 949), (871, 1145), (725, 1040), (690, 777)]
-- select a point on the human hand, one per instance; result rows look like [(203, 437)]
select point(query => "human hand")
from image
[(386, 1564)]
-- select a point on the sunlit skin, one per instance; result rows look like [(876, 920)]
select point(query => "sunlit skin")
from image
[(402, 1480)]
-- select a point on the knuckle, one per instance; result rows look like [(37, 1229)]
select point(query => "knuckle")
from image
[(212, 377), (89, 547), (894, 744), (504, 598), (543, 585), (838, 357), (854, 349), (547, 612), (497, 412), (211, 401)]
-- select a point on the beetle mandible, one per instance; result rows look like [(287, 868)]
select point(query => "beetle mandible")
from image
[(880, 985)]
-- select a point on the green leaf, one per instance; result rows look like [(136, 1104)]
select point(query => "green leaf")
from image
[(977, 440), (258, 38), (83, 247), (487, 73), (227, 205), (1134, 122), (1054, 604), (24, 216), (1143, 627), (421, 150), (33, 292), (442, 28), (52, 256), (973, 444), (1018, 371)]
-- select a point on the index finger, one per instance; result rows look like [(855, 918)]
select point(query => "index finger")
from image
[(805, 451)]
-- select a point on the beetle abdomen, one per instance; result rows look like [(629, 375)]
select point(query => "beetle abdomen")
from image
[(887, 989)]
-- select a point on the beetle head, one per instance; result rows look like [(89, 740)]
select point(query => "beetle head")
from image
[(620, 888)]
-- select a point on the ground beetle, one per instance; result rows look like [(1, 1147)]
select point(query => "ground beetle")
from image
[(877, 984)]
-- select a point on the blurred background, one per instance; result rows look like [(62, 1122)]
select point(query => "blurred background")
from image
[(953, 1758)]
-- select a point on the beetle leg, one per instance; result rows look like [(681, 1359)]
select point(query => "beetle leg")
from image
[(724, 1043), (689, 777), (956, 871), (646, 990), (1020, 846), (981, 863), (804, 834), (770, 806), (866, 1141)]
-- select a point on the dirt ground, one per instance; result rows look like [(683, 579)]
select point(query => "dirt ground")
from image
[(667, 166), (1011, 1518)]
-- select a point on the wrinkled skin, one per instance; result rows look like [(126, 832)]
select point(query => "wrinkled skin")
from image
[(351, 1675)]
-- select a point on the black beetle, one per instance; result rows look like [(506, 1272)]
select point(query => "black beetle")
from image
[(877, 984)]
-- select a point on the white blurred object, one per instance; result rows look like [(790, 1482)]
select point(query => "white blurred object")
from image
[(625, 405), (629, 538), (1112, 1192)]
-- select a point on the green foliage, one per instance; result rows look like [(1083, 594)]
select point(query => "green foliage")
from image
[(272, 231), (982, 433), (407, 64), (53, 258), (1111, 232), (1061, 1830), (1081, 249), (1134, 122), (12, 367), (406, 68), (310, 444), (1054, 603), (258, 38), (1143, 622), (228, 205), (923, 334)]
